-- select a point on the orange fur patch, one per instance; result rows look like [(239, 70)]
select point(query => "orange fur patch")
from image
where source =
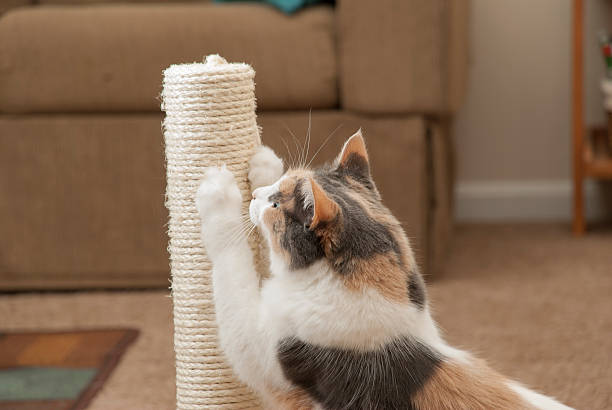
[(383, 216), (325, 209), (406, 251), (296, 399), (474, 386), (287, 185), (388, 271), (291, 178), (274, 220), (382, 273)]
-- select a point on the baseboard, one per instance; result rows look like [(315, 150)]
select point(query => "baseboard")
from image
[(545, 200)]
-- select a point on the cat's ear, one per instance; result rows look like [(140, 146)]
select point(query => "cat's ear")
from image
[(354, 157), (325, 209)]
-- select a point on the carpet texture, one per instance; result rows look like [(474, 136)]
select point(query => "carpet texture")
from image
[(535, 302), (532, 300)]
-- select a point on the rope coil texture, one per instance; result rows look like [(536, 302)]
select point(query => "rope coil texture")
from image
[(210, 120)]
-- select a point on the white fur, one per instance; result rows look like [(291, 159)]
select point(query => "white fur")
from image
[(260, 202), (312, 304), (536, 399), (265, 167), (244, 333)]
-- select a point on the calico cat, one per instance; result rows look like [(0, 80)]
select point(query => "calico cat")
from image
[(343, 321)]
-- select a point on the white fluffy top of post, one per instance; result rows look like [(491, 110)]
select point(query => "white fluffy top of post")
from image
[(214, 66)]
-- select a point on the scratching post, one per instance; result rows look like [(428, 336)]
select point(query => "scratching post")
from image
[(210, 120)]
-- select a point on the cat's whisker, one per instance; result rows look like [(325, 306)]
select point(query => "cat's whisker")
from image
[(250, 231), (231, 235), (234, 237), (243, 230), (298, 150), (307, 143), (298, 146), (239, 228), (292, 161), (323, 144), (245, 222), (302, 151)]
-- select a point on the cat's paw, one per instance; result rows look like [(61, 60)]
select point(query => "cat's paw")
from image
[(265, 168), (218, 193)]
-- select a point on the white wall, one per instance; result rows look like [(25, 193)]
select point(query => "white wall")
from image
[(513, 132)]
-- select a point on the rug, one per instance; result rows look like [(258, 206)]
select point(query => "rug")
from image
[(58, 370)]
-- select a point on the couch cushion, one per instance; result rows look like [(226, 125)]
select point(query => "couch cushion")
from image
[(85, 199), (407, 56), (110, 57), (82, 196)]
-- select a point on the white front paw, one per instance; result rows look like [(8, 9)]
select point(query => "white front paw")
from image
[(218, 193), (265, 168)]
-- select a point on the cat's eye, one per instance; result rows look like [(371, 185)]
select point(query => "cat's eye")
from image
[(275, 205)]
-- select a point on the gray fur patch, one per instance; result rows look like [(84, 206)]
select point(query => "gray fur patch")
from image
[(301, 243), (416, 289), (356, 166), (358, 238), (361, 237), (387, 378)]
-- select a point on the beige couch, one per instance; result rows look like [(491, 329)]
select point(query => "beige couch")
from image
[(81, 150)]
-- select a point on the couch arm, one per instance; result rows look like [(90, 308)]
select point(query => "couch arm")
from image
[(402, 56)]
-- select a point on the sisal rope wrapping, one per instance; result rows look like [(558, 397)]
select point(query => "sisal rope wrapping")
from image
[(210, 120)]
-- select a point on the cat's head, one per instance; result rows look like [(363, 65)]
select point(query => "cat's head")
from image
[(334, 213)]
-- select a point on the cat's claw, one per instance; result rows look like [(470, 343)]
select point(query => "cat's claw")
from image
[(218, 193), (265, 167)]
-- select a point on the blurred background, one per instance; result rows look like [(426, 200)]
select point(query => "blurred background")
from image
[(487, 124)]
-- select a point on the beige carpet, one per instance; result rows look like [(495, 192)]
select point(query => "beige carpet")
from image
[(537, 303), (534, 301)]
